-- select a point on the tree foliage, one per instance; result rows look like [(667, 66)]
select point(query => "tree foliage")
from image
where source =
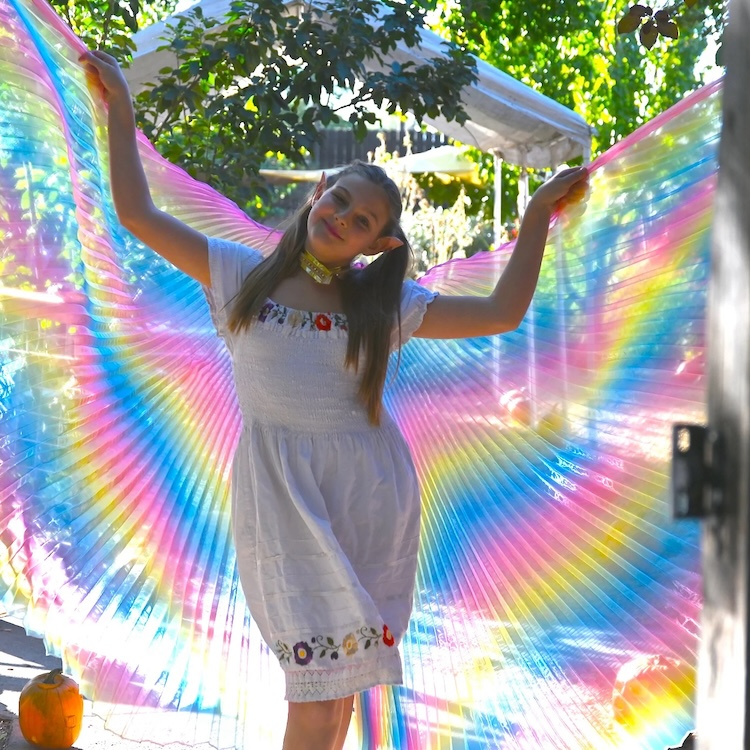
[(572, 52), (263, 84), (110, 24)]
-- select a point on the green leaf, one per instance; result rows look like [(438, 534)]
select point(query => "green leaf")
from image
[(130, 20), (640, 11), (648, 34), (628, 23), (668, 28)]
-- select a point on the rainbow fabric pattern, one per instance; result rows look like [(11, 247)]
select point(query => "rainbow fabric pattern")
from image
[(557, 602)]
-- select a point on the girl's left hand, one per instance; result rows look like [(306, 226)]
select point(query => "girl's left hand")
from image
[(104, 74), (566, 187)]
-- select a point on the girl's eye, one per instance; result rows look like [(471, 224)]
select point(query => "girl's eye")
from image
[(338, 197), (363, 221)]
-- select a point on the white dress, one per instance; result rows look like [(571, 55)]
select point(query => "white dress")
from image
[(325, 507)]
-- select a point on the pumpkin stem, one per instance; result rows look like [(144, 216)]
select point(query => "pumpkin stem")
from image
[(49, 678)]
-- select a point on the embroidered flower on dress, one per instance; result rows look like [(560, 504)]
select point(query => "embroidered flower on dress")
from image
[(369, 636), (263, 314), (325, 646), (388, 638), (296, 318), (283, 652), (350, 644), (302, 653), (322, 322)]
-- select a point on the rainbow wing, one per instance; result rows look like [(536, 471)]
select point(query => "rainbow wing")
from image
[(557, 603), (117, 416)]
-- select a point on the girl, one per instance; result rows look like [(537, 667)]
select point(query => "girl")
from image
[(325, 502)]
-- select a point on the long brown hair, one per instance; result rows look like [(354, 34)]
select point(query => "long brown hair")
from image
[(371, 296)]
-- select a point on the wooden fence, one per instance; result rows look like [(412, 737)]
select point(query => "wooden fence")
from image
[(340, 146)]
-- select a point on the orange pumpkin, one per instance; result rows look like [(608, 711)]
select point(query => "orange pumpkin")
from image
[(50, 711)]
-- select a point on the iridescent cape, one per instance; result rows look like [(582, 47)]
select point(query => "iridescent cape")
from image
[(557, 601)]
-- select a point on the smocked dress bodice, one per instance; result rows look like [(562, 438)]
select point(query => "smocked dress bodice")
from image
[(317, 393)]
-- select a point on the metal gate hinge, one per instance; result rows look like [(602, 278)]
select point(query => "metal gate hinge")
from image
[(697, 481)]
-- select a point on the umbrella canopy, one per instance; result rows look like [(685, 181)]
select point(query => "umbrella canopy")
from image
[(445, 162)]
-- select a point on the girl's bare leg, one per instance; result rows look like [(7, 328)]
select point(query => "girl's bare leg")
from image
[(346, 717), (314, 725)]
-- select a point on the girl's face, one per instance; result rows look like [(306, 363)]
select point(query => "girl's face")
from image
[(347, 220)]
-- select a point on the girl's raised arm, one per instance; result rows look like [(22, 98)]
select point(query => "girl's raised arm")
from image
[(180, 244), (464, 317)]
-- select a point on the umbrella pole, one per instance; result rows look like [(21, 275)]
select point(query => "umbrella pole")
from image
[(497, 220)]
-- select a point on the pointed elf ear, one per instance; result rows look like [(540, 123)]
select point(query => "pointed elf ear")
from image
[(383, 245), (320, 188)]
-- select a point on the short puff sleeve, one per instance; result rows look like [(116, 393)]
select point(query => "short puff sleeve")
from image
[(414, 301), (229, 264)]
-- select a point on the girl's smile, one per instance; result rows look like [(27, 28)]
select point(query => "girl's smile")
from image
[(332, 230)]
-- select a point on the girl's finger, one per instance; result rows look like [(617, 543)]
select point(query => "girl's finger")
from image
[(572, 174), (90, 60), (579, 188), (104, 57)]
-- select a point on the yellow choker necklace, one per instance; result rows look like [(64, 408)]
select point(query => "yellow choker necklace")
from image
[(318, 271)]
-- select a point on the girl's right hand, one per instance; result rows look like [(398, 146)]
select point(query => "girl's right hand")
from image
[(104, 74), (567, 187)]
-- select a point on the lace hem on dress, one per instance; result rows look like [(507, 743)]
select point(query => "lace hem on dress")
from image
[(321, 685)]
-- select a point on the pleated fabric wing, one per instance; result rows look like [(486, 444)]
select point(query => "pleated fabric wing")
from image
[(557, 602)]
